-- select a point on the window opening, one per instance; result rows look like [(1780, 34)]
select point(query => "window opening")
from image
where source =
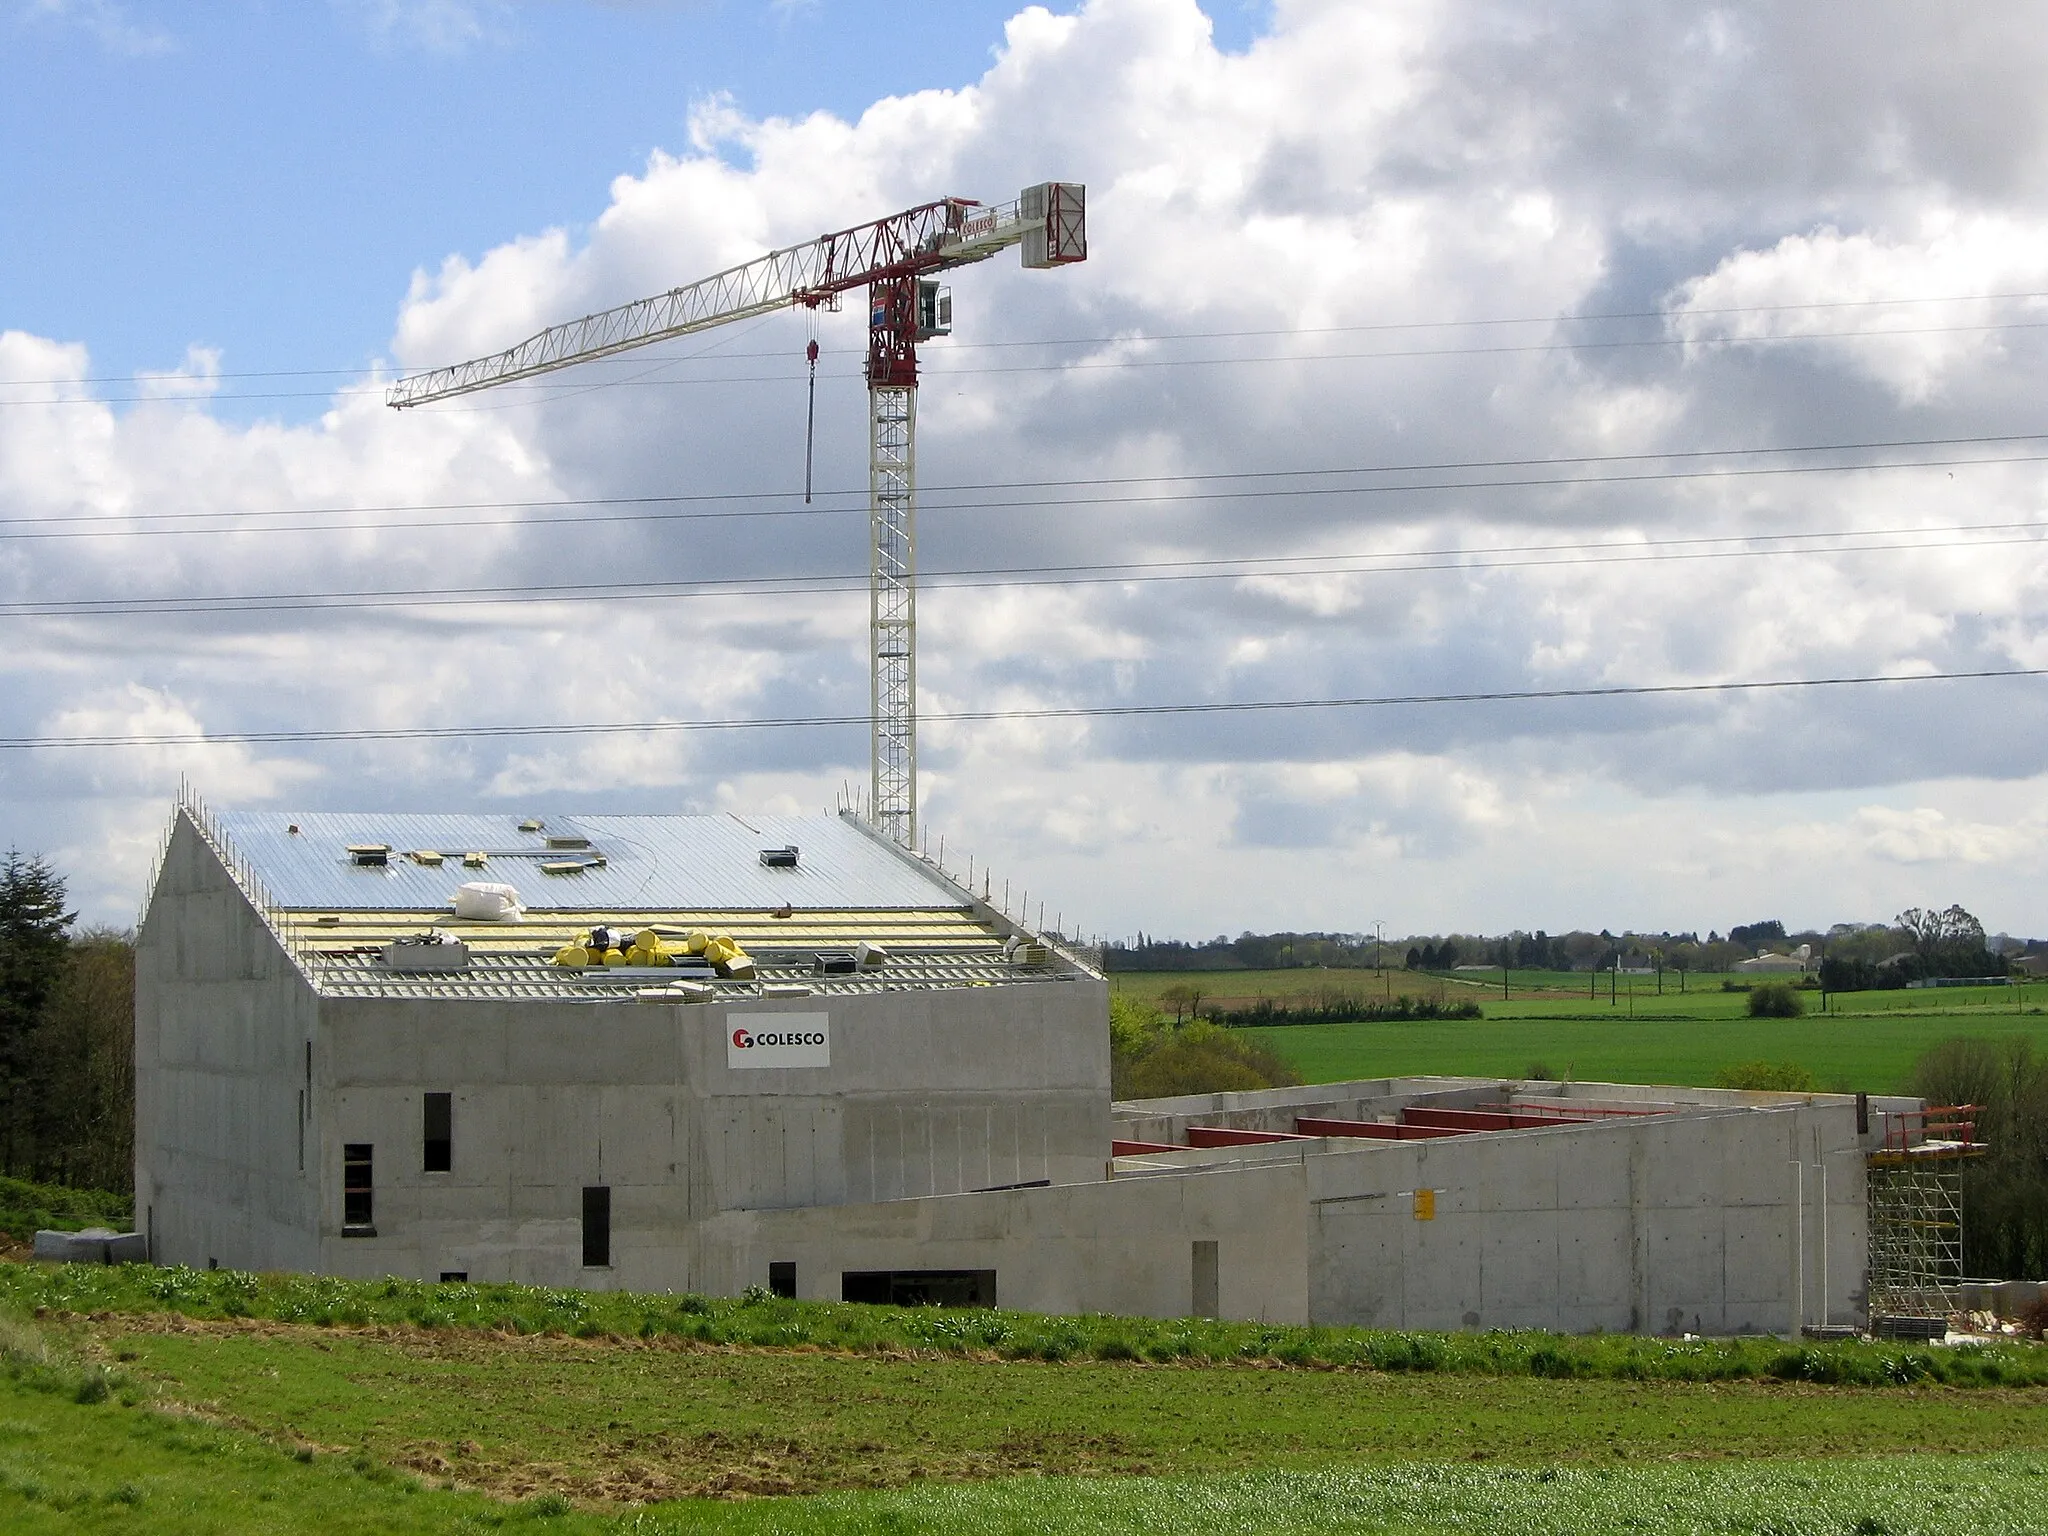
[(455, 1277), (440, 1139), (1205, 1287), (597, 1227), (919, 1287), (356, 1209), (782, 1279)]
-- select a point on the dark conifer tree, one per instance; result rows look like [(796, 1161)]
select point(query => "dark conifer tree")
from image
[(33, 951)]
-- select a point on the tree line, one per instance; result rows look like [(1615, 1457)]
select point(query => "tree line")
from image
[(1917, 944), (67, 1037)]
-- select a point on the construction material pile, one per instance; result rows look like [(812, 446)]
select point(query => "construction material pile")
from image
[(651, 949)]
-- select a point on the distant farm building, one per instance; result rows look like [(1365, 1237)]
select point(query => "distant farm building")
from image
[(1765, 961)]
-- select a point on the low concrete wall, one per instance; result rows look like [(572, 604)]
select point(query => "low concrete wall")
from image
[(1124, 1246), (1711, 1222), (2006, 1299), (1707, 1223)]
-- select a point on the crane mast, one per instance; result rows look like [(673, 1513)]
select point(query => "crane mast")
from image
[(896, 259)]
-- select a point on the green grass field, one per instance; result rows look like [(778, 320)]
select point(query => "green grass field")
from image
[(1866, 1040), (165, 1422)]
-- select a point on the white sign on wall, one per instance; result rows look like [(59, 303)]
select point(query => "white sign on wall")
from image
[(779, 1040)]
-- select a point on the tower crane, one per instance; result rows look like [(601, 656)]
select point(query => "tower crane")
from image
[(897, 260)]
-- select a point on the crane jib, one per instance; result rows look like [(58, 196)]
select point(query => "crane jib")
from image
[(1047, 220)]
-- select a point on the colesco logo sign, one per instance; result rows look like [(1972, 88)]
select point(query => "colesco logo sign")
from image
[(780, 1040)]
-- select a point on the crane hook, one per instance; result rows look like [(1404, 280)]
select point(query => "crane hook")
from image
[(810, 417)]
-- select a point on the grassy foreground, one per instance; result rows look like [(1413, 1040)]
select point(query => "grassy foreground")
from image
[(250, 1427), (758, 1321), (181, 1401)]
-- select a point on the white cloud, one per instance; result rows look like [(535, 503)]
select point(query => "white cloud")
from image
[(1385, 180), (105, 21), (438, 26)]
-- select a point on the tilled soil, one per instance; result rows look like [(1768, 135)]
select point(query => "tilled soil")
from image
[(614, 1463)]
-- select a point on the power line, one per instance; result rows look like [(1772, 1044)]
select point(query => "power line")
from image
[(980, 716), (1120, 573), (956, 344), (71, 531), (545, 391)]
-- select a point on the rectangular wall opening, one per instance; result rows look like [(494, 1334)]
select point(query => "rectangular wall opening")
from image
[(919, 1287), (358, 1213), (782, 1280), (1205, 1283), (597, 1227), (440, 1132)]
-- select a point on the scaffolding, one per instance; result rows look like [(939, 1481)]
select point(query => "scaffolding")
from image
[(1916, 1216)]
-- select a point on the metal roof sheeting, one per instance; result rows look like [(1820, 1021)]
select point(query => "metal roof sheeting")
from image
[(672, 863)]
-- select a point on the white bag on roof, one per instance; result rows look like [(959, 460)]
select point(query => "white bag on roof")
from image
[(482, 902)]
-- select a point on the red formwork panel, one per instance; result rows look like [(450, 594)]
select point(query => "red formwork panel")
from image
[(1227, 1136), (1576, 1114), (1140, 1148), (1483, 1119), (1370, 1130)]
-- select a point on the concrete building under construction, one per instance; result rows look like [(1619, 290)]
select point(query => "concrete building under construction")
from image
[(699, 1053)]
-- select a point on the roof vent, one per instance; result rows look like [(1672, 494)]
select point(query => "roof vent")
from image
[(566, 841), (779, 858), (369, 855), (531, 824)]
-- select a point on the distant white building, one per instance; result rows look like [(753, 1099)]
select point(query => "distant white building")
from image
[(1798, 962)]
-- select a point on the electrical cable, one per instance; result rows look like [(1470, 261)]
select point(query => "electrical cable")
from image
[(926, 505), (1121, 573), (955, 344), (981, 716), (935, 368)]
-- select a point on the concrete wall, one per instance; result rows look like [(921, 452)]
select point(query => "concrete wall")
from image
[(1699, 1223), (927, 1092), (1702, 1223), (1124, 1246), (222, 1023)]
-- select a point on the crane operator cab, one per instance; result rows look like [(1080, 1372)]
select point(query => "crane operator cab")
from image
[(934, 309)]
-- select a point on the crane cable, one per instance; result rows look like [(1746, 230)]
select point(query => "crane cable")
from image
[(811, 406)]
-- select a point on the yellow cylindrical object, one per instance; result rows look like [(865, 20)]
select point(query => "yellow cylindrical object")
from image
[(614, 957), (647, 939), (694, 941), (572, 955), (719, 949)]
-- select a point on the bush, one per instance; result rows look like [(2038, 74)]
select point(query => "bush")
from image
[(26, 1207), (1150, 1058), (1199, 1058), (1776, 1000), (1767, 1076), (1338, 1009), (2005, 1191)]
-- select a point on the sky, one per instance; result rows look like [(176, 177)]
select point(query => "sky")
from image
[(1422, 350)]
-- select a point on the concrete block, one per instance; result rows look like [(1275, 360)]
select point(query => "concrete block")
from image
[(93, 1245)]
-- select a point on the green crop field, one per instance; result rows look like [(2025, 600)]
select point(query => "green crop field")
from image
[(162, 1410), (1865, 1040)]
